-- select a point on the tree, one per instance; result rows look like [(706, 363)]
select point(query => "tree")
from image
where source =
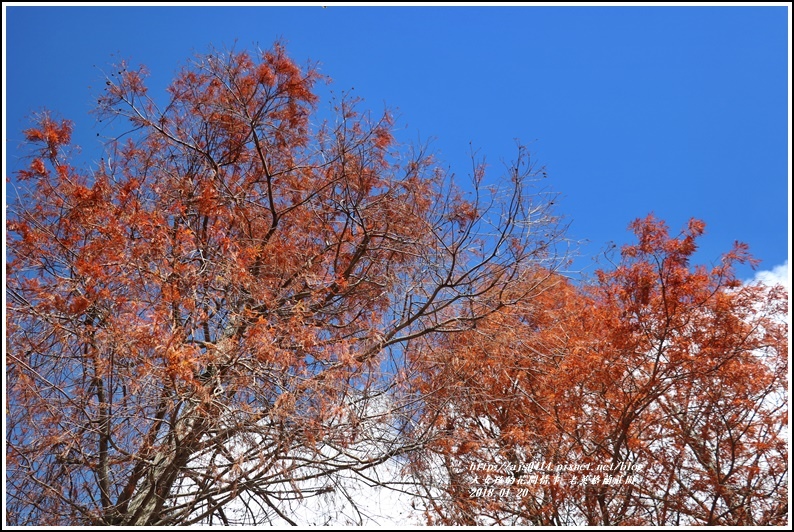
[(215, 322), (654, 395)]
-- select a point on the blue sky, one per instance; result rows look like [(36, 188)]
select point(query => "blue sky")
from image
[(682, 111)]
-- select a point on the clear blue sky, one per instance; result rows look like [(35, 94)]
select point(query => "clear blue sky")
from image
[(682, 111)]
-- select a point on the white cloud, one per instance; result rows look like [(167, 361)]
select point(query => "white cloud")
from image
[(778, 275)]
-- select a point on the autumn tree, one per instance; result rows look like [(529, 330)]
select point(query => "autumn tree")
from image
[(215, 322), (666, 381)]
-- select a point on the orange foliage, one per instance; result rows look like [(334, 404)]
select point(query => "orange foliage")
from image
[(673, 373), (231, 293)]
